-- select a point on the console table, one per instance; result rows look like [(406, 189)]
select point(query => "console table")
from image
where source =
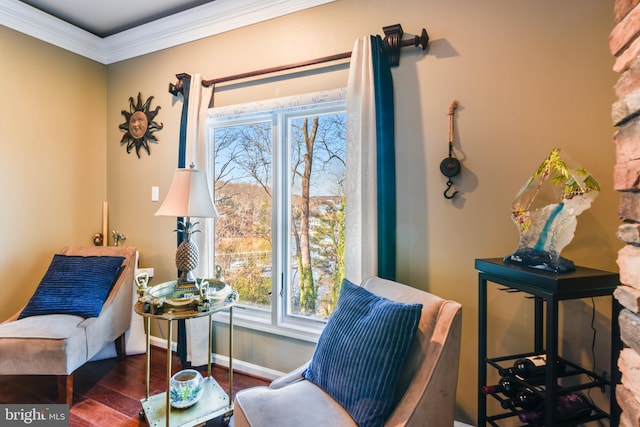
[(546, 288)]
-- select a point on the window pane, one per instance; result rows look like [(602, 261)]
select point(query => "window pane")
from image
[(243, 181), (317, 159), (279, 168)]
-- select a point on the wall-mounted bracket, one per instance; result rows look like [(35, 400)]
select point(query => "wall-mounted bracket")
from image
[(177, 88), (393, 42)]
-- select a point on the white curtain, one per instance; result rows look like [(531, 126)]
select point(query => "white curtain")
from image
[(197, 330), (361, 242)]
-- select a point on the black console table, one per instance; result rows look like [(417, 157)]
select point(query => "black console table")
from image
[(546, 288)]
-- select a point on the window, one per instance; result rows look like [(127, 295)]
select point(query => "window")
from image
[(278, 170)]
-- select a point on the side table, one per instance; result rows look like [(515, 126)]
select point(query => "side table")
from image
[(215, 402), (546, 289)]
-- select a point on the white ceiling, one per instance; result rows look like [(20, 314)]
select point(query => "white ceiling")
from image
[(107, 17), (108, 31)]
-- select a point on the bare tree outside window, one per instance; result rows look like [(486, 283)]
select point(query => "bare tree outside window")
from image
[(311, 225)]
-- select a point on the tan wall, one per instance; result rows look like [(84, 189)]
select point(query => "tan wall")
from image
[(529, 76), (52, 158)]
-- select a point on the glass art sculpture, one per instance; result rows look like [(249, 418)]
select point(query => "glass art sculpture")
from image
[(545, 212)]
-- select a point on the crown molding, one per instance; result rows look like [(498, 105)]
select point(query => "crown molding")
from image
[(203, 21), (28, 20)]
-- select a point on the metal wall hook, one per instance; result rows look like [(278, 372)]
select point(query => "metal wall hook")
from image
[(449, 186), (450, 166), (118, 237)]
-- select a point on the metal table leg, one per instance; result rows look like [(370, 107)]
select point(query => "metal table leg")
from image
[(230, 357), (148, 340), (168, 400)]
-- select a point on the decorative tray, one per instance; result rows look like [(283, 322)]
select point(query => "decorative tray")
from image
[(174, 296)]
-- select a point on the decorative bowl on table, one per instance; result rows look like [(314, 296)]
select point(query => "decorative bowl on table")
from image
[(186, 388)]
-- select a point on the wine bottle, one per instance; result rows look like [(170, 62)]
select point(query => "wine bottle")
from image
[(527, 398), (568, 406), (508, 385), (532, 366)]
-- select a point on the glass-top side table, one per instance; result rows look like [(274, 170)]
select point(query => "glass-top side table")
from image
[(215, 402)]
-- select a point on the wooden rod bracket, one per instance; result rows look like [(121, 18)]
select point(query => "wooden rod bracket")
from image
[(393, 42), (177, 88)]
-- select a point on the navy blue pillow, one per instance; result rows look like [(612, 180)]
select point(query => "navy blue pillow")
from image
[(361, 351), (77, 285)]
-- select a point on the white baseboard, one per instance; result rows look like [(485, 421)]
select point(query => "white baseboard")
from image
[(238, 365), (162, 343)]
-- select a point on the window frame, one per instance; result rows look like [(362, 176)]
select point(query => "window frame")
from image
[(279, 111)]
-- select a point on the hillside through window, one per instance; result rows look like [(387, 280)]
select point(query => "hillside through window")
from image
[(279, 186)]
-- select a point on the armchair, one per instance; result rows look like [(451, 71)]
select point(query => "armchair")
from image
[(60, 342), (425, 392)]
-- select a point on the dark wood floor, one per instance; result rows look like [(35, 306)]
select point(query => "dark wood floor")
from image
[(108, 392)]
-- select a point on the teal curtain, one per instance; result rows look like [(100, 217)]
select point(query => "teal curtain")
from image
[(385, 159), (182, 141), (182, 152)]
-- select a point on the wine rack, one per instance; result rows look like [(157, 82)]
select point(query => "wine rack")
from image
[(547, 290)]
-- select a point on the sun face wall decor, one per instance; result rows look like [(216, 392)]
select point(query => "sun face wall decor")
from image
[(139, 126)]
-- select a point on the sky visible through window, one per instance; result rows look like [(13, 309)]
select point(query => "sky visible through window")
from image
[(298, 158)]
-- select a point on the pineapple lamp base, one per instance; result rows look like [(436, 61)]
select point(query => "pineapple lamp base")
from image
[(187, 258)]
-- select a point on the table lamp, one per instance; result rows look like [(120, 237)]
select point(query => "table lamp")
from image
[(188, 197)]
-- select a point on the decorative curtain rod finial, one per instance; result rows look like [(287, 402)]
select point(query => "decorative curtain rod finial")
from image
[(175, 89), (178, 87), (422, 40), (393, 42)]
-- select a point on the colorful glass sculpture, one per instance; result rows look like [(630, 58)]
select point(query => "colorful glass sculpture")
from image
[(545, 212)]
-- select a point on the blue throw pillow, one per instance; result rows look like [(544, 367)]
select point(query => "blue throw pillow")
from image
[(361, 351), (77, 285)]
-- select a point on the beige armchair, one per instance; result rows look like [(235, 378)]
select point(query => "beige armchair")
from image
[(425, 392), (58, 344)]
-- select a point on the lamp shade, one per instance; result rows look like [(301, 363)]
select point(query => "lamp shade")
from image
[(188, 196)]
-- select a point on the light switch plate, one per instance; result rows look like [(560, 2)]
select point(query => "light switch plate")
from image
[(154, 194)]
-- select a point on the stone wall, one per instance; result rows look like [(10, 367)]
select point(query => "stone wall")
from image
[(624, 43)]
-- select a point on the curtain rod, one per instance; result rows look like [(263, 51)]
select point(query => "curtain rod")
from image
[(392, 44), (336, 57)]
